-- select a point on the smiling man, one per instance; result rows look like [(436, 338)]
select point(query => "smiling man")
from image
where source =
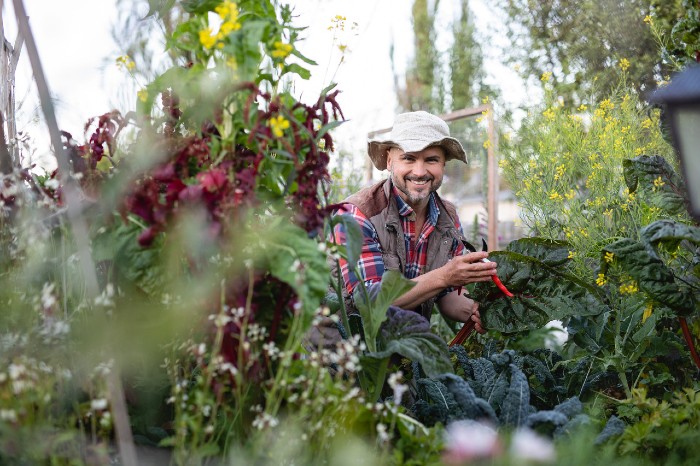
[(409, 228)]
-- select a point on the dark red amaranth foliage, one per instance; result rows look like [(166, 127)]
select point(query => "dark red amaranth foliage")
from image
[(226, 183)]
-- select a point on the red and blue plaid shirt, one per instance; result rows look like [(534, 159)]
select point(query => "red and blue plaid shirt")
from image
[(371, 266)]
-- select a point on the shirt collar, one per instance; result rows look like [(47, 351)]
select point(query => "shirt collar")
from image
[(405, 210)]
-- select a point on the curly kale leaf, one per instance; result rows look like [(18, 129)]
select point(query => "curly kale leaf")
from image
[(436, 403), (573, 424), (546, 422), (570, 407), (472, 407), (516, 405), (614, 427)]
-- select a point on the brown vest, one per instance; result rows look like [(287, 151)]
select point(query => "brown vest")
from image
[(378, 204)]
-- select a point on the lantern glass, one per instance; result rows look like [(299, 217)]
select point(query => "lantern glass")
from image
[(686, 122)]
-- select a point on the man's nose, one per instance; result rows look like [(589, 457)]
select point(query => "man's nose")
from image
[(418, 168)]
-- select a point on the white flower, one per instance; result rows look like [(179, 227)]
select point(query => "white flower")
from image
[(468, 439), (529, 446), (381, 432), (399, 388), (98, 404), (8, 415)]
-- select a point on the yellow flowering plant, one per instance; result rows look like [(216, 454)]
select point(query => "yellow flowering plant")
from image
[(593, 175)]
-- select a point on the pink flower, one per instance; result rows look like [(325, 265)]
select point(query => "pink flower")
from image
[(466, 440), (527, 445)]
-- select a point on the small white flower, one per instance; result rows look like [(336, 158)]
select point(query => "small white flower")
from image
[(8, 415), (382, 433), (399, 388), (98, 404)]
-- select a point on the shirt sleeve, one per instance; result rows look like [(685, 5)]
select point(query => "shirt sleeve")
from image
[(370, 266)]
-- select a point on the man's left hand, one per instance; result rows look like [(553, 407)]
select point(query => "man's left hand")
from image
[(461, 309)]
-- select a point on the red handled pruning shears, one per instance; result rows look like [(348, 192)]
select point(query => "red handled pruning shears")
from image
[(468, 327), (497, 281)]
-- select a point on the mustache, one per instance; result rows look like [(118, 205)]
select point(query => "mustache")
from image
[(420, 178)]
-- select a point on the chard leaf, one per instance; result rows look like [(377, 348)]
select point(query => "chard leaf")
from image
[(543, 294), (651, 274), (552, 253), (374, 312), (408, 333), (516, 405), (669, 233), (643, 170), (285, 247)]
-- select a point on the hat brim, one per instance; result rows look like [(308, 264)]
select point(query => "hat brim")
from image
[(377, 150)]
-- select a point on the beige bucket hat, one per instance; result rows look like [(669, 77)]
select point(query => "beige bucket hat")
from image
[(413, 132)]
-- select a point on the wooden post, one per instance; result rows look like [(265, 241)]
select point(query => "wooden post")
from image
[(492, 177)]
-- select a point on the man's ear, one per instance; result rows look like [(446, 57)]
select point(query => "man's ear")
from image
[(388, 158)]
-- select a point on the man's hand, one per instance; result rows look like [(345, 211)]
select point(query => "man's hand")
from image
[(461, 309), (461, 270)]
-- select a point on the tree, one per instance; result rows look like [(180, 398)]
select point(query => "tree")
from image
[(580, 42)]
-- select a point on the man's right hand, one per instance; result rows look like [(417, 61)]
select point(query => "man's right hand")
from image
[(469, 268)]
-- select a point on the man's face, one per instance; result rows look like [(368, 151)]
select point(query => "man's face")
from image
[(416, 174)]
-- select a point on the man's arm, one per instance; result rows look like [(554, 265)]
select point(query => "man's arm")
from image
[(460, 308), (459, 271)]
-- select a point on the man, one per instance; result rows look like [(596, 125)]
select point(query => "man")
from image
[(408, 227)]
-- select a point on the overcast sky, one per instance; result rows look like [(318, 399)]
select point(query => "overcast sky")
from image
[(78, 53)]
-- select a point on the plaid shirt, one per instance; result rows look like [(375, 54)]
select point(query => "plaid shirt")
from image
[(371, 266)]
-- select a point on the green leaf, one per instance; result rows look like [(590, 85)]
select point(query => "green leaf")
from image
[(408, 333), (669, 233), (543, 294), (373, 312), (652, 275), (644, 170), (298, 69), (353, 237), (296, 259), (552, 253), (516, 405)]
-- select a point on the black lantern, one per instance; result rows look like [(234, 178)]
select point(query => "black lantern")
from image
[(682, 101)]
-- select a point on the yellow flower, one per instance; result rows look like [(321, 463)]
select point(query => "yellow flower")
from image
[(571, 255), (601, 280), (546, 76), (647, 312), (624, 64), (559, 172), (487, 144), (571, 194), (228, 27), (658, 182), (582, 108), (485, 100), (608, 212), (555, 196), (646, 124), (281, 50), (548, 114), (606, 105), (142, 95), (126, 62), (609, 256), (278, 124), (206, 38), (630, 287), (648, 19)]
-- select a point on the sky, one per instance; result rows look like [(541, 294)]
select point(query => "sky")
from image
[(78, 56)]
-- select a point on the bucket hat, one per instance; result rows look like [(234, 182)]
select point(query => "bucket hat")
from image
[(413, 132)]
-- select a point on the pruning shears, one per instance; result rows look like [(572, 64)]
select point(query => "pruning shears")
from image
[(468, 327)]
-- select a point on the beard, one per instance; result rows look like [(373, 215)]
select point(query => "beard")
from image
[(413, 194)]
